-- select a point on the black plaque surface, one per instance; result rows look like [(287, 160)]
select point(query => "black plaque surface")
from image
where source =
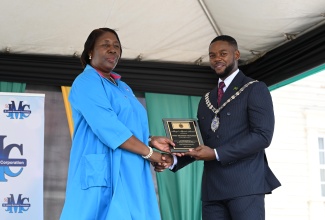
[(185, 133)]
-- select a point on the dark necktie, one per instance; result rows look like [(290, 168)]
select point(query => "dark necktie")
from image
[(220, 91)]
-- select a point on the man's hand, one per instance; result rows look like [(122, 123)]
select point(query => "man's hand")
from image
[(202, 152), (161, 143), (167, 159)]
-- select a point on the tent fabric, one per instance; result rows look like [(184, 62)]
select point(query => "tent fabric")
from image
[(298, 77), (282, 63), (165, 31), (293, 58), (180, 192)]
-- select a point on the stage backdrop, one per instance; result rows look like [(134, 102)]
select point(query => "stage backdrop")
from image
[(21, 156), (180, 192)]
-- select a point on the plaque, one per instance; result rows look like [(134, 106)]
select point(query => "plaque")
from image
[(185, 133)]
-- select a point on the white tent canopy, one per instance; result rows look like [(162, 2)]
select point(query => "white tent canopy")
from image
[(150, 30)]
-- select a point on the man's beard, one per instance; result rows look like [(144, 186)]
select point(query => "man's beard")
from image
[(227, 71)]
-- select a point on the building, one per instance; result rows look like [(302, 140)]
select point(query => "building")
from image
[(297, 152)]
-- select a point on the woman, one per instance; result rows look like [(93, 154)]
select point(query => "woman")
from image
[(109, 172)]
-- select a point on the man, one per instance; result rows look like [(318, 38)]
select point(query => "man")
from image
[(235, 133)]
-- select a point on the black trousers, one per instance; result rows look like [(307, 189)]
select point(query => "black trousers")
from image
[(241, 208)]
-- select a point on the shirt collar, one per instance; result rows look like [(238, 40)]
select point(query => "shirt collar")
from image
[(229, 79), (112, 74)]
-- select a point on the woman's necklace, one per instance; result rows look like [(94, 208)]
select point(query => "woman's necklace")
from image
[(112, 80)]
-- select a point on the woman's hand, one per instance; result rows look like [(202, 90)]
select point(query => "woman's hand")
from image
[(161, 161), (168, 161), (161, 143)]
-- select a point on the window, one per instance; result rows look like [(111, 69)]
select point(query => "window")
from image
[(321, 149)]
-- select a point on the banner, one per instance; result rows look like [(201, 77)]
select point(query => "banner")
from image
[(21, 156)]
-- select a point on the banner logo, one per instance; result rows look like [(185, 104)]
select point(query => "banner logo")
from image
[(6, 162), (22, 112), (12, 206)]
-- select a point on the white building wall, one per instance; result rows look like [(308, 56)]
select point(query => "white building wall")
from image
[(293, 155)]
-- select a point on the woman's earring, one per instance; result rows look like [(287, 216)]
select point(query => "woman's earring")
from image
[(90, 57)]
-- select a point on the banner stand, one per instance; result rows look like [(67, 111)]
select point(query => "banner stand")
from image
[(21, 156)]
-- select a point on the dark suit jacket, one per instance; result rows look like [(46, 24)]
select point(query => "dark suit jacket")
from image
[(246, 129)]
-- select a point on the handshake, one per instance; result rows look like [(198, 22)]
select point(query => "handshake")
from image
[(167, 160), (164, 160), (161, 160)]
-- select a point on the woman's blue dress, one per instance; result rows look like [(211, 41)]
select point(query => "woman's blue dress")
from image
[(106, 182)]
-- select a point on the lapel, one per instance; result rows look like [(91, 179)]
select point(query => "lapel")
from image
[(213, 96), (234, 86)]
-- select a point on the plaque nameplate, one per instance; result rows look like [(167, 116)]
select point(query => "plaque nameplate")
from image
[(185, 133)]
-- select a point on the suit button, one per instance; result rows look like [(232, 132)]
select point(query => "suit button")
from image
[(228, 113), (217, 136)]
